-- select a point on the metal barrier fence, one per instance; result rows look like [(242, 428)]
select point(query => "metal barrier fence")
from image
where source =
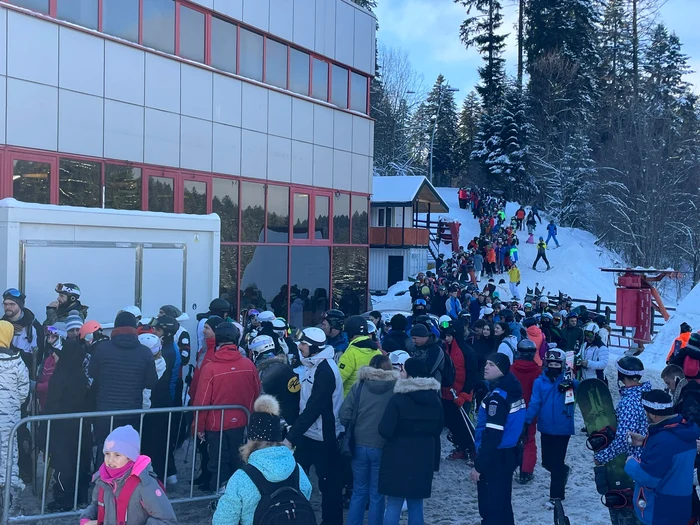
[(81, 417)]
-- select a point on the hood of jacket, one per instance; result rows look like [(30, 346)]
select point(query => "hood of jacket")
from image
[(534, 333), (7, 332), (364, 344), (275, 463), (526, 368), (227, 354), (510, 385), (686, 431), (413, 385), (376, 380), (636, 390)]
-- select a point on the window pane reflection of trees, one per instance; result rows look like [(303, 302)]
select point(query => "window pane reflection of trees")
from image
[(264, 278), (277, 214), (195, 197), (341, 219), (301, 216), (350, 280), (161, 194), (228, 274), (309, 290), (122, 187), (31, 181), (252, 212), (225, 204), (80, 183), (321, 212), (359, 220)]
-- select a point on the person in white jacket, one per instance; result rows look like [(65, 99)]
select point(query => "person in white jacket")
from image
[(594, 354), (152, 341), (508, 342)]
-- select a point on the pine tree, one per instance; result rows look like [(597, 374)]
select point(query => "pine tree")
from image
[(467, 129), (437, 118)]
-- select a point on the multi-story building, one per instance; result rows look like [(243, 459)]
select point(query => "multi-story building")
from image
[(256, 110)]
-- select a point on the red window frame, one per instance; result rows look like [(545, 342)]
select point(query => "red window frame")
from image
[(51, 160), (197, 178), (149, 172)]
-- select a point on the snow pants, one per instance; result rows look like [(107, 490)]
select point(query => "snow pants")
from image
[(624, 517), (520, 225), (325, 457), (549, 237), (457, 427), (553, 458), (463, 204), (231, 440), (542, 256), (6, 424), (495, 489), (530, 450), (514, 291)]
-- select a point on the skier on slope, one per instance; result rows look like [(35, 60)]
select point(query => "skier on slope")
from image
[(541, 254), (552, 232)]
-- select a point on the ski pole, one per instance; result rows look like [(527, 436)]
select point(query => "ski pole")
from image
[(466, 419)]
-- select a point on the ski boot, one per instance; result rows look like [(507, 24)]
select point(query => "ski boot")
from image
[(524, 478)]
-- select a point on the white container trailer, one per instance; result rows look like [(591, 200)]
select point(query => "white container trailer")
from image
[(117, 258)]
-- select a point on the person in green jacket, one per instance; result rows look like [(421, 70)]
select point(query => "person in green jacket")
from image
[(358, 354)]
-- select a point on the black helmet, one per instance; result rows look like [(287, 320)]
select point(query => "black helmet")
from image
[(355, 325), (600, 320), (425, 320), (526, 348), (464, 314), (335, 318), (168, 324), (218, 306), (530, 321), (454, 287), (507, 315), (227, 333), (630, 366)]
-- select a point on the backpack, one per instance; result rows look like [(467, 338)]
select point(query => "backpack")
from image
[(448, 373), (281, 502), (691, 367)]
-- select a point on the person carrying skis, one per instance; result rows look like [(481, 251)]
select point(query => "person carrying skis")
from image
[(541, 254), (552, 232)]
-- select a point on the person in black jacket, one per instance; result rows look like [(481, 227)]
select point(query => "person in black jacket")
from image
[(439, 305), (412, 425), (429, 350), (572, 334), (397, 338)]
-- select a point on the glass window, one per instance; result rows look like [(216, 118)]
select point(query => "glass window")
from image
[(161, 194), (228, 274), (31, 181), (80, 183), (251, 54), (277, 214), (195, 197), (358, 92), (223, 45), (191, 34), (264, 284), (122, 187), (299, 72), (252, 212), (276, 64), (121, 18), (310, 274), (359, 219), (321, 213), (350, 280), (35, 5), (81, 12), (301, 216), (159, 25), (339, 86), (341, 219), (225, 204), (320, 85)]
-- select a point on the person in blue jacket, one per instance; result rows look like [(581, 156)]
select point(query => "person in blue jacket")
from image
[(555, 420), (498, 428), (552, 233), (453, 305), (663, 476)]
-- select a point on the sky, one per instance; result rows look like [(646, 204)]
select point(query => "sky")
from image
[(428, 30)]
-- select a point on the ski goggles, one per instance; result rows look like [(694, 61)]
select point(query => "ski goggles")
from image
[(12, 292), (420, 302), (588, 333)]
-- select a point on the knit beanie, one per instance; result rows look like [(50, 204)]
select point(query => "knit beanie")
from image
[(74, 320), (415, 368), (18, 298), (419, 330), (125, 441), (213, 321), (125, 319), (172, 311), (658, 402), (685, 327), (265, 423), (501, 361)]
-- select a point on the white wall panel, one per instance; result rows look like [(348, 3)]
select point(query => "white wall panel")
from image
[(232, 8), (325, 28), (162, 83), (282, 18), (80, 123), (302, 120), (123, 135), (257, 13), (3, 107), (305, 22), (3, 41), (28, 104), (363, 56), (360, 135), (371, 139), (302, 163), (81, 62), (279, 159), (32, 49), (323, 126), (227, 149), (124, 73), (342, 130), (253, 154), (342, 171), (227, 100), (323, 167), (196, 92), (254, 104), (279, 115), (344, 32), (162, 138), (360, 173), (195, 143)]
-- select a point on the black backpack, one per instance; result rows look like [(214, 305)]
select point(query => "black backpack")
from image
[(282, 502), (448, 373)]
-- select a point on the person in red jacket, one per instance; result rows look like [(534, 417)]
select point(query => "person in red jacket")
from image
[(526, 371), (228, 379)]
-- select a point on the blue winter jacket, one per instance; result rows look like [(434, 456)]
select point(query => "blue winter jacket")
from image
[(339, 342), (551, 229), (453, 307), (547, 404), (515, 330), (474, 309), (664, 475)]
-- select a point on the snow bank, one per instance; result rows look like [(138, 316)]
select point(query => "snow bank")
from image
[(396, 298)]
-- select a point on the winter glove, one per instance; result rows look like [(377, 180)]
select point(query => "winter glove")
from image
[(565, 385), (517, 284), (461, 399)]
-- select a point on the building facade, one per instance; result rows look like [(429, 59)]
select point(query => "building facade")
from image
[(256, 110)]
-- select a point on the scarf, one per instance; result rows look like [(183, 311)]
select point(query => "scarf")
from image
[(109, 475)]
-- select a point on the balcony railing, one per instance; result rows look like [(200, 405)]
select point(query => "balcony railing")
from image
[(399, 237)]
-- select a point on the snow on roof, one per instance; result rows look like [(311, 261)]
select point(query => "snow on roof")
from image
[(405, 189)]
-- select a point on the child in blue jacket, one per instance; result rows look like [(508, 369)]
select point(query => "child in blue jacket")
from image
[(555, 420)]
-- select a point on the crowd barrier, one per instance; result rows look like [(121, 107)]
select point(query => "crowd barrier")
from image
[(33, 421)]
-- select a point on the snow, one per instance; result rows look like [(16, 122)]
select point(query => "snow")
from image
[(401, 188)]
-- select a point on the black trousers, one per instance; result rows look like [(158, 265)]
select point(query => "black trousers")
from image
[(495, 489), (325, 457), (625, 516), (540, 256), (231, 440), (553, 458), (456, 425)]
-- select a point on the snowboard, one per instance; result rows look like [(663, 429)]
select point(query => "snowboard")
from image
[(598, 412)]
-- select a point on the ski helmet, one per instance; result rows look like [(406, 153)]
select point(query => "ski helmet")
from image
[(444, 320), (425, 320), (266, 317), (398, 358), (600, 320), (546, 318), (454, 287), (335, 318), (507, 315), (89, 328), (262, 344), (419, 305), (556, 355), (371, 327), (630, 367), (219, 307), (526, 349), (227, 333), (465, 315), (530, 321), (151, 341), (591, 328), (166, 323), (544, 300), (355, 325), (312, 336), (280, 325), (70, 289), (253, 313)]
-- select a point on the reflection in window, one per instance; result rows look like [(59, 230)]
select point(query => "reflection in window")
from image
[(31, 181), (195, 197), (159, 25), (191, 34), (80, 183), (301, 216), (252, 212), (359, 219), (320, 79), (321, 212), (121, 18), (350, 280), (264, 278), (35, 5), (228, 274), (251, 54), (223, 45), (122, 187), (225, 204), (298, 72), (161, 194), (341, 219), (276, 64), (80, 12), (310, 274), (277, 214), (358, 92), (339, 86)]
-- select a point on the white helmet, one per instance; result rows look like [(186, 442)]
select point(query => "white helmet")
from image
[(591, 327), (280, 326), (398, 358), (151, 341), (544, 300), (266, 317), (312, 336), (371, 328), (262, 344), (444, 319)]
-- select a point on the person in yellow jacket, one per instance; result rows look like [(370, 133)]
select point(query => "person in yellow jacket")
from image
[(514, 274), (359, 353)]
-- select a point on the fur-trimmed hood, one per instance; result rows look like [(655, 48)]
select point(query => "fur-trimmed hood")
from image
[(378, 381), (416, 384)]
